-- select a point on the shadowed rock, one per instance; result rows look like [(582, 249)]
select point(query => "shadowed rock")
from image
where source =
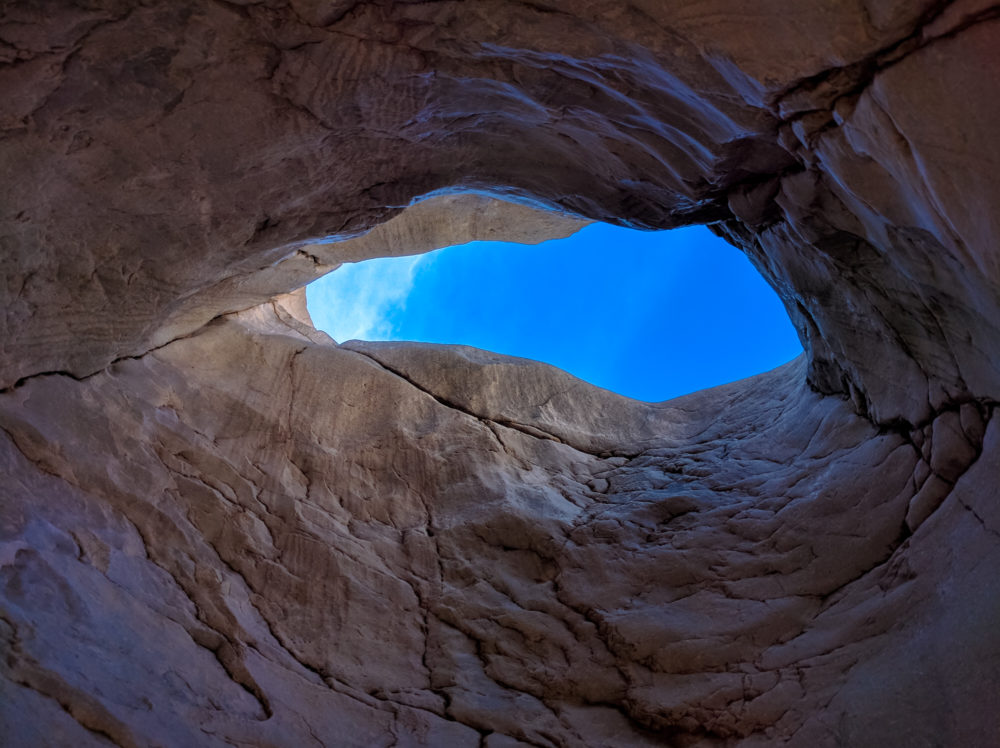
[(217, 526)]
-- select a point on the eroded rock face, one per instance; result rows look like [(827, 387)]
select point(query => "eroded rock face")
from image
[(219, 527)]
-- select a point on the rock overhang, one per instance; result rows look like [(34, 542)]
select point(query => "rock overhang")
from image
[(709, 585), (611, 136)]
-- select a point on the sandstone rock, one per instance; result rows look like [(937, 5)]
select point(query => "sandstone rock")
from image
[(219, 527)]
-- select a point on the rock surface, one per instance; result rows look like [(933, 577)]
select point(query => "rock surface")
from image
[(218, 527)]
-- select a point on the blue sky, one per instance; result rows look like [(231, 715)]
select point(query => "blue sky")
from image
[(650, 315)]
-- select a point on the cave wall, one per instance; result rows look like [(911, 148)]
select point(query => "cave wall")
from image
[(220, 526)]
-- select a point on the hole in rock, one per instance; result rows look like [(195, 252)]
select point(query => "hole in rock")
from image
[(649, 315)]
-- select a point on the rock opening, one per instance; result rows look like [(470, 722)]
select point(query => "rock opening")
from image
[(216, 528), (648, 315)]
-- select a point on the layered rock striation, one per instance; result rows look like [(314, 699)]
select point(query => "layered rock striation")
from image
[(218, 526)]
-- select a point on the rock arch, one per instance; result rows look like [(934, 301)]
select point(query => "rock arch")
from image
[(219, 527)]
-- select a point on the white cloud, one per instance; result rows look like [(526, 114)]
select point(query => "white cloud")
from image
[(355, 300)]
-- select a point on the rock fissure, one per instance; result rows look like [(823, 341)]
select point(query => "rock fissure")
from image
[(258, 537), (532, 431), (863, 71)]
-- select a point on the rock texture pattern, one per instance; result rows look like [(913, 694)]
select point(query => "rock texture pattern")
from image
[(219, 527)]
